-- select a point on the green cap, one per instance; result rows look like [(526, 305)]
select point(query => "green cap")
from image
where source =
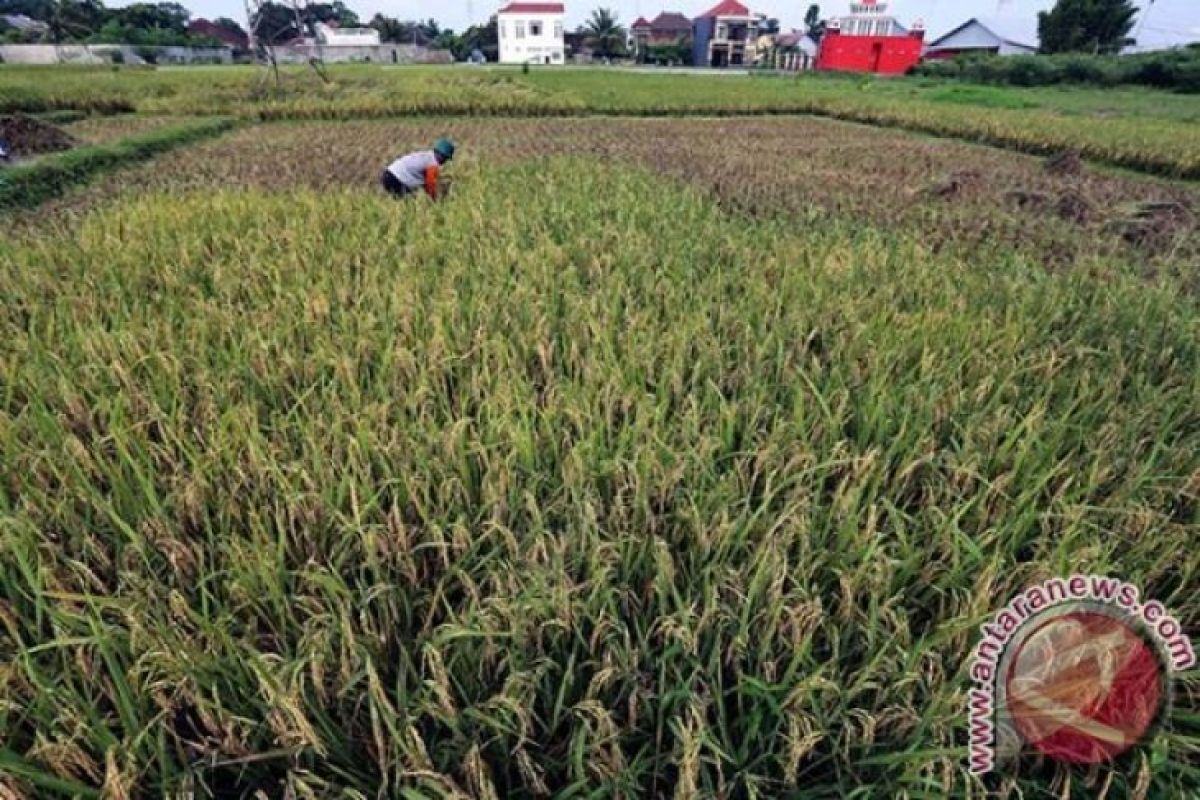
[(444, 148)]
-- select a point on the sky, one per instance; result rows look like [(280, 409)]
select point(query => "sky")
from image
[(1168, 22)]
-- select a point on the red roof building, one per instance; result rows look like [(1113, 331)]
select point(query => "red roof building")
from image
[(726, 8), (724, 35), (202, 27), (533, 8), (868, 39), (668, 28)]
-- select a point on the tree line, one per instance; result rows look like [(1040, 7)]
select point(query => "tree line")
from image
[(1095, 27), (91, 22)]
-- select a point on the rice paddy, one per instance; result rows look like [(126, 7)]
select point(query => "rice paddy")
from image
[(1147, 131), (666, 458)]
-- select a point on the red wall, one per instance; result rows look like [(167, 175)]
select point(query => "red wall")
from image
[(897, 54)]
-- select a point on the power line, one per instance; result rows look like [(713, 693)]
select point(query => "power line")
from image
[(1179, 31), (1145, 15)]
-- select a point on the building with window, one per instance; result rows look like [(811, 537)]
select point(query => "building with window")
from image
[(724, 36), (531, 33), (795, 51), (869, 39), (669, 32)]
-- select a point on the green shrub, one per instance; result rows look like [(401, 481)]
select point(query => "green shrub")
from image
[(1086, 69), (1172, 69)]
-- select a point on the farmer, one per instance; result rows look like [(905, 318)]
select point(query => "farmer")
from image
[(415, 171)]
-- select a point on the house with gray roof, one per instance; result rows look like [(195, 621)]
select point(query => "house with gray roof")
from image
[(1007, 36)]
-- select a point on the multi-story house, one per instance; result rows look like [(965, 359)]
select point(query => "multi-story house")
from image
[(724, 36), (531, 33)]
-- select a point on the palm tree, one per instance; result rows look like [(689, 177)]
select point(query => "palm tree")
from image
[(71, 20), (605, 36), (814, 26)]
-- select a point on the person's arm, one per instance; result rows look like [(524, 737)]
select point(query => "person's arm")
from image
[(431, 182)]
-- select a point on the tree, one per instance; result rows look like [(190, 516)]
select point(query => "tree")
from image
[(429, 29), (390, 29), (335, 12), (606, 37), (484, 38), (1086, 26), (143, 24), (676, 53), (397, 31), (769, 26), (34, 9), (814, 26), (446, 40), (161, 17), (275, 23), (230, 25), (74, 20)]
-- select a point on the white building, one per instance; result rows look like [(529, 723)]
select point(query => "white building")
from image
[(869, 18), (531, 33), (333, 36)]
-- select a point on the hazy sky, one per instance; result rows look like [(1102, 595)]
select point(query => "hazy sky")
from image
[(1168, 22)]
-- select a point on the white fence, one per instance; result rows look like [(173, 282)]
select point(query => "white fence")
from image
[(111, 53), (372, 54)]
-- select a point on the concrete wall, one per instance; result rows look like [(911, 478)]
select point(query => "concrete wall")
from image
[(377, 54), (106, 54)]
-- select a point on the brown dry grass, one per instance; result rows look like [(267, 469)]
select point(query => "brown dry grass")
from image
[(953, 194)]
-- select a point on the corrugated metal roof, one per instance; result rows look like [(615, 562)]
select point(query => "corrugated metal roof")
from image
[(1013, 30)]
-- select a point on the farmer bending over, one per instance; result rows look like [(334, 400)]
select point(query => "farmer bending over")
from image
[(419, 170)]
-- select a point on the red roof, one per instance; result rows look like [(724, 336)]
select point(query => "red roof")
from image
[(669, 21), (640, 22), (202, 27), (533, 8), (726, 8)]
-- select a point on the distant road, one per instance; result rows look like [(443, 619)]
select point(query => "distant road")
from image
[(704, 71)]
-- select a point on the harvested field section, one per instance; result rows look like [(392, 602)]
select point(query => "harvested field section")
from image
[(27, 136), (102, 130), (952, 194)]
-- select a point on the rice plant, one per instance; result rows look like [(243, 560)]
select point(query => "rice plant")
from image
[(577, 485), (1119, 128)]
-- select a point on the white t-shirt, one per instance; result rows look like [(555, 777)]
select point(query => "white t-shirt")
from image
[(410, 170)]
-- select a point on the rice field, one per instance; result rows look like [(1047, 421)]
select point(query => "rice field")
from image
[(108, 129), (668, 457), (1147, 131), (956, 196)]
